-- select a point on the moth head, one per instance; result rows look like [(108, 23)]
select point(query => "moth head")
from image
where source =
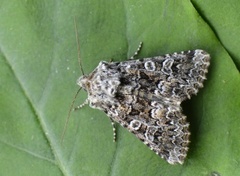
[(83, 82)]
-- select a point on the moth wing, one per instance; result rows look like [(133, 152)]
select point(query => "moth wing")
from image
[(163, 128), (177, 75), (185, 73)]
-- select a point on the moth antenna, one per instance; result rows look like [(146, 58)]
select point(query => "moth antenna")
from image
[(69, 113), (78, 46)]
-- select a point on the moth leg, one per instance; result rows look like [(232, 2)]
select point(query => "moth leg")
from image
[(114, 130), (138, 50), (81, 105)]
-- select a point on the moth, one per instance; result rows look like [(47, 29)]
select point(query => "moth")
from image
[(145, 95)]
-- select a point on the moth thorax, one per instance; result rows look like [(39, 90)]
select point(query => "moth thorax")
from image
[(105, 85)]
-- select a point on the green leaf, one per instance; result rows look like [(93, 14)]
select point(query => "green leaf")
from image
[(39, 68)]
